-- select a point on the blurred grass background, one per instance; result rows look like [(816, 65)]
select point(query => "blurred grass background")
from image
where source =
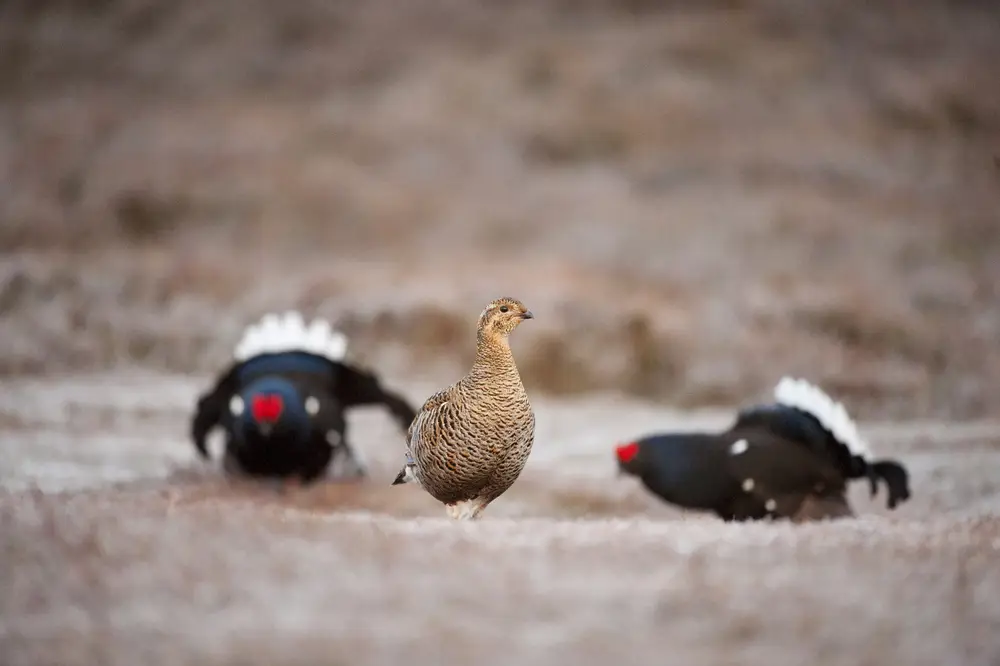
[(694, 198)]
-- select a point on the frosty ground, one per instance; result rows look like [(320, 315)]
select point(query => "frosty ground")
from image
[(130, 550)]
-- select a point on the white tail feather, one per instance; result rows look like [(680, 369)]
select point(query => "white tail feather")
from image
[(831, 414), (288, 332)]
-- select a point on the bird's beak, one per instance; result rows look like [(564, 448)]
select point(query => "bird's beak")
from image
[(527, 315)]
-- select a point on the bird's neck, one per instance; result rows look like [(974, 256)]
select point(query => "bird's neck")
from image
[(493, 355)]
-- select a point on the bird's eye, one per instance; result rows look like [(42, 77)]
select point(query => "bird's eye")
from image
[(504, 308), (312, 406)]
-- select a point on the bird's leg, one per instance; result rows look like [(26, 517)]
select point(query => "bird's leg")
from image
[(477, 510), (466, 510)]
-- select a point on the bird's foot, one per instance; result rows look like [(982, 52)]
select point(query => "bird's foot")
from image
[(467, 510)]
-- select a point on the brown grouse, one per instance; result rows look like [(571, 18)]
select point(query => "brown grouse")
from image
[(468, 443)]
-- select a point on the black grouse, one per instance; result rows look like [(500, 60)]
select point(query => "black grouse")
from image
[(789, 459), (282, 402)]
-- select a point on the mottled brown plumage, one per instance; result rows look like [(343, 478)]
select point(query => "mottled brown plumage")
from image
[(469, 442)]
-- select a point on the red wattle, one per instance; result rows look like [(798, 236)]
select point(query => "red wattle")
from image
[(266, 408), (626, 452)]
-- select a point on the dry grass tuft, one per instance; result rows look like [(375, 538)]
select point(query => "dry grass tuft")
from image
[(863, 324)]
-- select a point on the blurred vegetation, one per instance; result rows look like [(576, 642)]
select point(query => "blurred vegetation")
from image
[(695, 199)]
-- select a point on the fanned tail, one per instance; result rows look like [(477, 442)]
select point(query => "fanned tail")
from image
[(288, 332), (832, 415), (408, 474), (405, 475)]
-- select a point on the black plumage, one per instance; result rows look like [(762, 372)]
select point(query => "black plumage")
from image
[(790, 459), (282, 407)]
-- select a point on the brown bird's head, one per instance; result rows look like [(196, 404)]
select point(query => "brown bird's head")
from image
[(502, 316)]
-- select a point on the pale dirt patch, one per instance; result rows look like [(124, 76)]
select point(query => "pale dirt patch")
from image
[(137, 552)]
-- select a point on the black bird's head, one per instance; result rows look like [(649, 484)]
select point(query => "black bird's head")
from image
[(629, 460)]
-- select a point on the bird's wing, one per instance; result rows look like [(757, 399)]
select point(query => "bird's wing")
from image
[(795, 426), (449, 394), (782, 472), (211, 409), (423, 431), (441, 396), (785, 422), (355, 386)]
